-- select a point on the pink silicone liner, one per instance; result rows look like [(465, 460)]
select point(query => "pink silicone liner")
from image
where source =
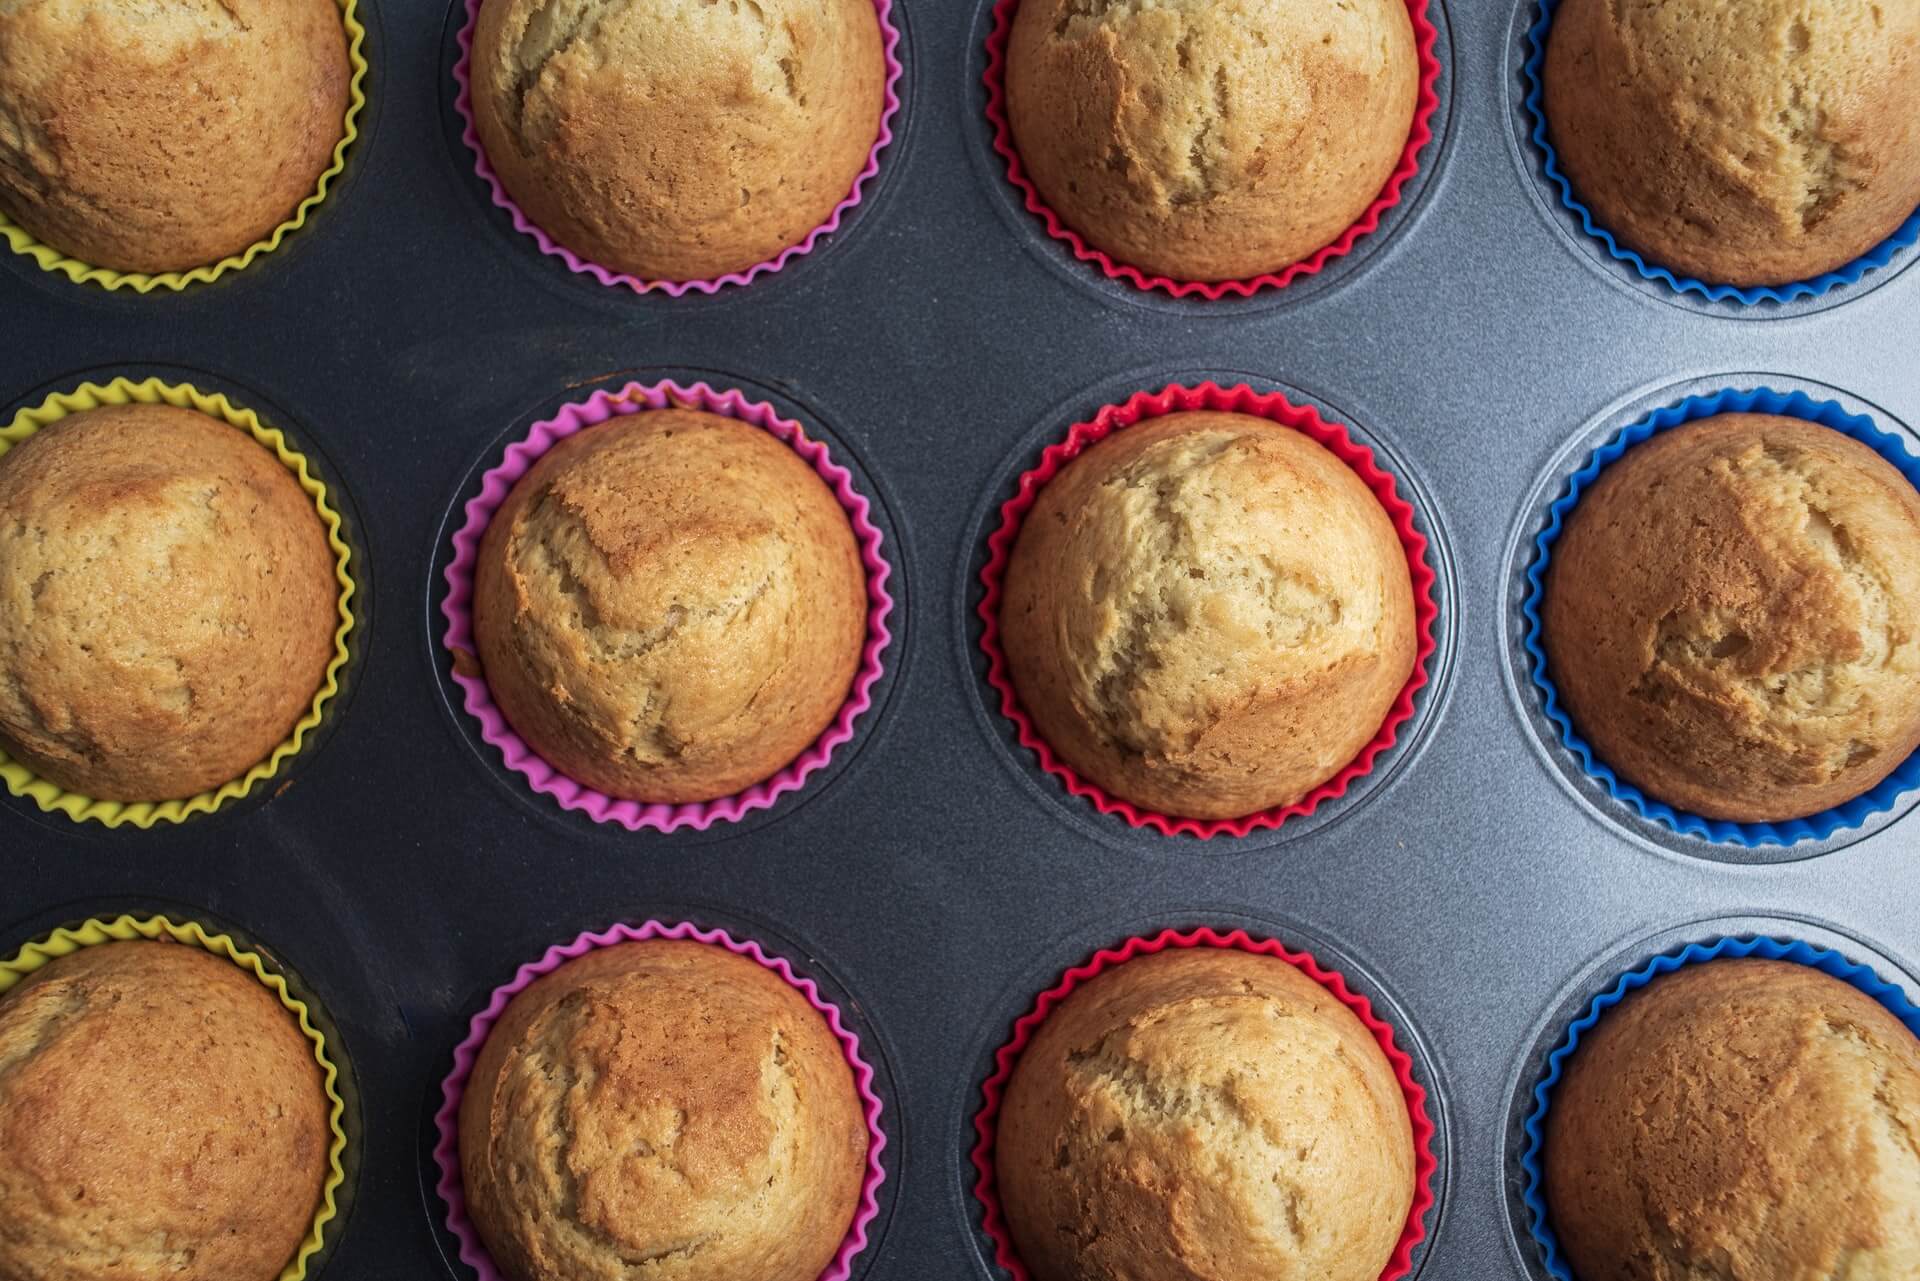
[(518, 755), (470, 134), (446, 1150), (986, 1122), (1425, 37), (1239, 399)]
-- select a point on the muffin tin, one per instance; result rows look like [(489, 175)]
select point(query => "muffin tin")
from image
[(931, 877)]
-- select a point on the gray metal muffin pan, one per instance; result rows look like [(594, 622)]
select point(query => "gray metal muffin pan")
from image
[(933, 876)]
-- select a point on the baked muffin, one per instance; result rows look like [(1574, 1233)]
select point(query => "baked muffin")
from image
[(161, 137), (1738, 1119), (1751, 143), (162, 1118), (1204, 1113), (670, 606), (678, 139), (167, 603), (1205, 140), (665, 1102), (1208, 614), (1732, 616)]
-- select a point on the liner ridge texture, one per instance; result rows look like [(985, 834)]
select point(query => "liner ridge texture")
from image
[(993, 1091), (457, 608), (1240, 399), (1759, 400), (470, 134), (1828, 962), (446, 1149), (1425, 39)]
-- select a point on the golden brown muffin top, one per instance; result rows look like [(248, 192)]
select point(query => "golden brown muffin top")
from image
[(167, 602), (670, 606), (1204, 1112), (162, 1118), (678, 139), (662, 1105), (1208, 613), (1753, 143), (152, 137), (1211, 139), (1739, 1119), (1733, 617)]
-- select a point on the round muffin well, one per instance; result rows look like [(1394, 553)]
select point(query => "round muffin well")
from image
[(1204, 1112), (162, 1118), (667, 1101), (168, 602), (674, 139), (1738, 1118), (153, 138), (1732, 617)]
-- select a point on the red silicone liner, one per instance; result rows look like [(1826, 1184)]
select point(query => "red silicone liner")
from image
[(446, 1149), (994, 1090), (520, 756), (1238, 399), (470, 134), (1425, 38)]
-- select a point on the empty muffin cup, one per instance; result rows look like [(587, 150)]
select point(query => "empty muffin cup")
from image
[(447, 1121), (21, 779), (163, 931), (464, 646)]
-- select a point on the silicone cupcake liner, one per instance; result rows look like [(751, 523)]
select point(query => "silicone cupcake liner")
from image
[(21, 241), (1239, 399), (1425, 37), (127, 928), (1762, 400), (457, 608), (993, 1092), (446, 1149), (1875, 258), (51, 798), (1828, 962), (470, 134)]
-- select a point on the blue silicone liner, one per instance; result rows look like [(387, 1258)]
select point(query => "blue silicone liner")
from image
[(1827, 962), (1761, 400), (1879, 256)]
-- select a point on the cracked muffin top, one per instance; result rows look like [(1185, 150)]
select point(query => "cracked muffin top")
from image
[(1756, 142), (678, 139), (167, 602), (1208, 614), (1732, 616), (1734, 1119), (1210, 139), (1204, 1112), (670, 606), (162, 1118), (150, 137), (664, 1108)]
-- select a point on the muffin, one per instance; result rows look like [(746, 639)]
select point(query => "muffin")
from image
[(1208, 614), (1739, 1119), (162, 1118), (668, 1106), (1204, 1113), (1753, 143), (1732, 617), (151, 137), (167, 603), (1207, 141), (670, 606), (678, 139)]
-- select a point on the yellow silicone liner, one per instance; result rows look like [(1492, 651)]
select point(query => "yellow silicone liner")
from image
[(144, 814), (21, 241), (126, 928)]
